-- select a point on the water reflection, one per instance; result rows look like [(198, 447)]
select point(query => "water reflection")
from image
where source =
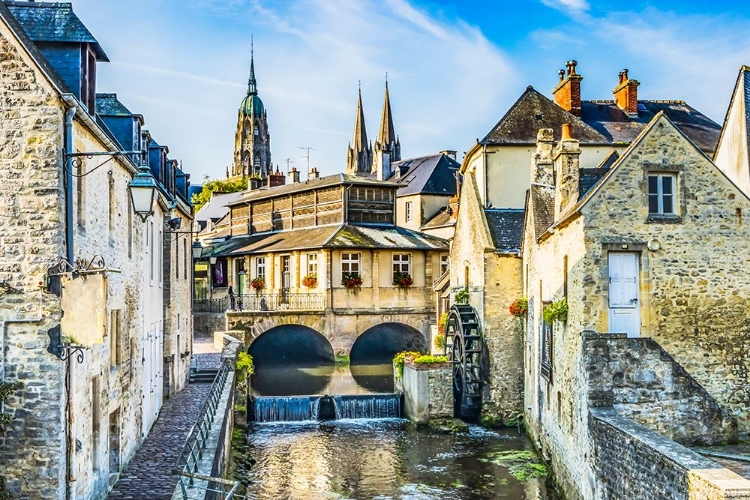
[(304, 380), (383, 459)]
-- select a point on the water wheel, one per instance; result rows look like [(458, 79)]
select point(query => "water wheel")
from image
[(465, 346)]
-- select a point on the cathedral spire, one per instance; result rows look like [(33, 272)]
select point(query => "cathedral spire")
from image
[(387, 136), (387, 147), (359, 158), (252, 86), (359, 140)]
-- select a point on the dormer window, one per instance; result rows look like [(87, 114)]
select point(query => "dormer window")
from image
[(88, 78)]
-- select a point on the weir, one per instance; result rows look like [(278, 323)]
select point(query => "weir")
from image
[(303, 408)]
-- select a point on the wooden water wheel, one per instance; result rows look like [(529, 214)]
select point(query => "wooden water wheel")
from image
[(465, 346)]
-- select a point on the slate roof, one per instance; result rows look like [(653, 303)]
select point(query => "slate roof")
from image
[(543, 208), (506, 228), (432, 174), (53, 22), (441, 219), (601, 122), (590, 176), (216, 208), (337, 236), (109, 105)]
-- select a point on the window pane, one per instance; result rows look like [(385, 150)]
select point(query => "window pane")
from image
[(653, 204), (653, 184), (667, 202), (666, 184)]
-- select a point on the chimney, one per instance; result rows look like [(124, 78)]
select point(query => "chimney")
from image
[(541, 161), (276, 178), (567, 93), (314, 174), (293, 175), (626, 94), (381, 164), (567, 172), (453, 208), (449, 153)]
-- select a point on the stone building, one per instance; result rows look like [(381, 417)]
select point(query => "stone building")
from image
[(73, 300), (733, 150), (632, 251), (252, 140)]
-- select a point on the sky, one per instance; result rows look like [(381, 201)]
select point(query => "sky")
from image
[(454, 67)]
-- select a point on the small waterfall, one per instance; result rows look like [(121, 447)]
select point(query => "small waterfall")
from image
[(300, 408)]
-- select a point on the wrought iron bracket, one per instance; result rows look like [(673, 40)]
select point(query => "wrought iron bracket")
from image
[(81, 267), (63, 351)]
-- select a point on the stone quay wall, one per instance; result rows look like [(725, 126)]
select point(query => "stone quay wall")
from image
[(428, 392)]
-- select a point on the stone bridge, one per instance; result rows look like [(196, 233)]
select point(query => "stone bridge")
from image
[(390, 330)]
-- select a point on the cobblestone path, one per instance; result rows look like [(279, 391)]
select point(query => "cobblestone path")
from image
[(149, 474)]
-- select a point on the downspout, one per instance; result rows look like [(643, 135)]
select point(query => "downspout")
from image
[(68, 159), (486, 180)]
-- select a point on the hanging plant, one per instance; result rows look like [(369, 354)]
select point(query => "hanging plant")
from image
[(443, 323), (556, 311), (520, 307), (462, 296), (403, 280), (310, 281), (440, 341), (258, 283), (351, 280)]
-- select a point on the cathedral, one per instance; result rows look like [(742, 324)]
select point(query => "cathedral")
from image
[(252, 142), (364, 160)]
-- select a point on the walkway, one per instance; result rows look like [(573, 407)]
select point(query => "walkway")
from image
[(736, 458), (149, 474)]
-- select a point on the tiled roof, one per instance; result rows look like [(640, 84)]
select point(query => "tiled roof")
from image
[(276, 242), (543, 208), (433, 174), (53, 22), (506, 228), (601, 122), (441, 219), (384, 237), (109, 105)]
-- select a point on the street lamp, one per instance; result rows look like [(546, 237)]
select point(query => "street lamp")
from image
[(197, 250), (142, 189)]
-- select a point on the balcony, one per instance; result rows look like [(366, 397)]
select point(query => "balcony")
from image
[(281, 301)]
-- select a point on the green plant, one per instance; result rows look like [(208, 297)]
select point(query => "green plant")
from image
[(403, 280), (351, 280), (443, 323), (217, 186), (439, 341), (245, 364), (310, 281), (400, 358), (557, 310), (341, 359), (520, 307), (461, 297), (258, 283), (427, 359)]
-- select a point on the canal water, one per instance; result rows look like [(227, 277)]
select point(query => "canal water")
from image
[(377, 458)]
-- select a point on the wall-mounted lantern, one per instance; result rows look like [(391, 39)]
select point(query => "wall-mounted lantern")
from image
[(142, 190)]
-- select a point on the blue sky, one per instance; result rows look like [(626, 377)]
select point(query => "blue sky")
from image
[(454, 67)]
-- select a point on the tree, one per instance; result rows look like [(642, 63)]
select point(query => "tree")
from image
[(217, 186)]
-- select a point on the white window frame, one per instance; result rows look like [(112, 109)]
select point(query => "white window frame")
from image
[(260, 267), (350, 263), (401, 263), (408, 209), (312, 264), (660, 195)]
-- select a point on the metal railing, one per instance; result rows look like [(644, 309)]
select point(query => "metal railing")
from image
[(211, 305), (186, 466), (280, 302)]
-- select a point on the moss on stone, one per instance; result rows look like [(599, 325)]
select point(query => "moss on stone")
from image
[(521, 464), (448, 425)]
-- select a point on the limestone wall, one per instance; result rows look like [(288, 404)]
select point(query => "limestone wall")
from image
[(428, 392)]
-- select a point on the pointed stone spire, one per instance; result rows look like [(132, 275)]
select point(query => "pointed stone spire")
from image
[(387, 136), (387, 147), (359, 157), (252, 85)]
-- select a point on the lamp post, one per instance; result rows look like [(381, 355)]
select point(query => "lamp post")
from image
[(142, 189)]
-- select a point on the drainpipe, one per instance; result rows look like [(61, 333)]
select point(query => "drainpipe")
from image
[(69, 114)]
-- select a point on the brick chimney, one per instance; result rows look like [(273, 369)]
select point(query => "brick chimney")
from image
[(541, 161), (567, 93), (276, 178), (626, 94), (293, 175), (314, 174), (449, 153), (567, 172)]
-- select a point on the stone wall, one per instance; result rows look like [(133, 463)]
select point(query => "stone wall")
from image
[(634, 462), (428, 392), (205, 324), (637, 378)]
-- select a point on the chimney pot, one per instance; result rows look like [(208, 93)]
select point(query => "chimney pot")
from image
[(566, 132), (567, 93), (571, 67), (562, 74)]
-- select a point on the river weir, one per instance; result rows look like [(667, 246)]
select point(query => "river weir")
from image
[(301, 408)]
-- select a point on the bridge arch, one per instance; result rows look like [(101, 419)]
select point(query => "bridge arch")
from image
[(290, 344), (379, 343)]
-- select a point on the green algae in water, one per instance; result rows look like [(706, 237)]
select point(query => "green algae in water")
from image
[(521, 464)]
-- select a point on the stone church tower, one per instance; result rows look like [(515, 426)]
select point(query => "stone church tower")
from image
[(252, 142), (359, 154), (387, 147)]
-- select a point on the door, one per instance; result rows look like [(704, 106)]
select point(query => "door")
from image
[(624, 307), (286, 281)]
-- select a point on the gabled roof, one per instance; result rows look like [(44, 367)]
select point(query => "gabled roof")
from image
[(741, 93), (590, 176), (506, 228), (109, 105), (432, 174), (601, 121), (54, 22)]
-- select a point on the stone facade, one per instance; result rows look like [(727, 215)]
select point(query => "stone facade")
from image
[(428, 392)]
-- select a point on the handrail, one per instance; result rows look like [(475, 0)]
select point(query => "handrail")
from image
[(441, 277), (280, 301)]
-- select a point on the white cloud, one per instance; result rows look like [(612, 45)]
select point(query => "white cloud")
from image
[(568, 5)]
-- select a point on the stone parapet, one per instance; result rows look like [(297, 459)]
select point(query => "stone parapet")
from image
[(428, 392)]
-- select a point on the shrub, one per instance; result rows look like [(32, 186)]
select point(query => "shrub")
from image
[(258, 283), (400, 358), (557, 310), (443, 323), (351, 280), (245, 364), (403, 280), (310, 281), (427, 359), (462, 296), (520, 307), (440, 341)]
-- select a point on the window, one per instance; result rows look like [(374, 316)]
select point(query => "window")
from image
[(408, 211), (350, 263), (312, 264), (260, 267), (546, 357), (661, 196), (114, 337), (445, 263), (401, 263)]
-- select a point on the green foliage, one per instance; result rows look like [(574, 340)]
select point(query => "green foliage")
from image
[(439, 341), (557, 310), (351, 280), (400, 358), (245, 364), (341, 359), (427, 359), (462, 296), (403, 280), (522, 464), (217, 186)]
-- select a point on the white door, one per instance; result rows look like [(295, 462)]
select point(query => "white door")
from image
[(624, 307)]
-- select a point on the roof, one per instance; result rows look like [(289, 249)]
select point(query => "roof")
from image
[(432, 174), (588, 177), (601, 122), (742, 89), (216, 208), (54, 22), (337, 236), (328, 181), (441, 219), (109, 105), (506, 228), (542, 201)]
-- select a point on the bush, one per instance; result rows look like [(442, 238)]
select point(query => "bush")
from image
[(403, 280), (245, 364), (258, 283), (557, 310), (400, 358), (440, 341), (427, 359), (462, 296)]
